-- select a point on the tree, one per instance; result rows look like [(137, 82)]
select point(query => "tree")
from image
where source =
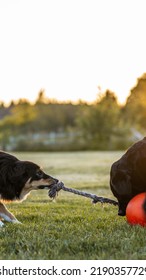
[(42, 99), (19, 120), (99, 122), (135, 108)]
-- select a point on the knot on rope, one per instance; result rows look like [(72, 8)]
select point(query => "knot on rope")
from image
[(53, 192)]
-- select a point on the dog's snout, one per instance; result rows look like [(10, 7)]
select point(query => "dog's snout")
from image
[(53, 180), (56, 181), (48, 182)]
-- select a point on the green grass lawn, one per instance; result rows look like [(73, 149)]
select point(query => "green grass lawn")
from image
[(71, 227)]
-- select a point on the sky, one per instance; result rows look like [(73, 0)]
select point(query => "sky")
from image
[(71, 48)]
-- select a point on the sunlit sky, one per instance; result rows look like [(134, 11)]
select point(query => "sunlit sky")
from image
[(71, 47)]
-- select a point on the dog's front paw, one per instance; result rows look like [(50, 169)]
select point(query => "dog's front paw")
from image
[(1, 224), (15, 221)]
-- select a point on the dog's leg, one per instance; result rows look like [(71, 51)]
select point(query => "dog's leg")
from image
[(1, 224), (6, 215)]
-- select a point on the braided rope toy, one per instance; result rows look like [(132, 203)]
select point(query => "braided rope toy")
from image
[(60, 186)]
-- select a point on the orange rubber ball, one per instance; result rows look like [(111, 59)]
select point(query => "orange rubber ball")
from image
[(136, 210)]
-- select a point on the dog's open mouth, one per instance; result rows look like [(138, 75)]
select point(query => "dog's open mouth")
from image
[(47, 187)]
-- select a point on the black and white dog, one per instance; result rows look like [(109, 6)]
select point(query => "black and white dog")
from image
[(17, 179)]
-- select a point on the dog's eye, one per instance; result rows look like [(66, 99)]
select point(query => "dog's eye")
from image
[(39, 174)]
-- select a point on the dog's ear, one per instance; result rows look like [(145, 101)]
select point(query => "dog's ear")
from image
[(19, 169)]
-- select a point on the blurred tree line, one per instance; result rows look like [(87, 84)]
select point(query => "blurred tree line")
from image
[(50, 125)]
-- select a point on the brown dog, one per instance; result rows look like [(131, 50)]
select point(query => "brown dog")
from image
[(128, 175)]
